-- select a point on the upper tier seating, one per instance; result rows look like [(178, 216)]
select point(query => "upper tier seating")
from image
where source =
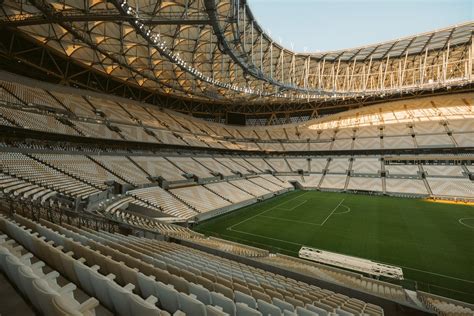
[(5, 122), (464, 140), (111, 109), (135, 133), (79, 166), (396, 130), (141, 114), (298, 164), (277, 134), (259, 164), (461, 126), (28, 95), (97, 130), (123, 168), (191, 166), (83, 113), (296, 146), (429, 128), (167, 137), (249, 167), (368, 131), (320, 146), (270, 146), (232, 165), (398, 142), (75, 103), (278, 164), (215, 165), (342, 144), (34, 121), (367, 143), (440, 140), (159, 167)]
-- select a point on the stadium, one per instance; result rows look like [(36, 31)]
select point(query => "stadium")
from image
[(172, 158)]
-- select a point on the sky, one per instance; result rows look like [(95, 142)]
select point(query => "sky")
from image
[(321, 25)]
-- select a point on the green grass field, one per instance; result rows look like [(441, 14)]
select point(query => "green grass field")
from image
[(426, 239)]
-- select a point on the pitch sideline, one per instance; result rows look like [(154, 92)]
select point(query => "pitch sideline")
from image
[(293, 243)]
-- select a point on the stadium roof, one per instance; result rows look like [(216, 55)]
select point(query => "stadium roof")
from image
[(415, 44), (214, 51)]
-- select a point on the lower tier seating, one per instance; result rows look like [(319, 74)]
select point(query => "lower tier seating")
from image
[(445, 307), (163, 200), (137, 276), (333, 181), (250, 187), (454, 187), (202, 199), (410, 186), (230, 192), (354, 280), (365, 184)]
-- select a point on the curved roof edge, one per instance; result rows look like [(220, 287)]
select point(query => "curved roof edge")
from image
[(456, 34)]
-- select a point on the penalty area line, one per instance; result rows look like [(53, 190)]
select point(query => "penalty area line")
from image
[(263, 212), (348, 209), (290, 220), (460, 221), (292, 208)]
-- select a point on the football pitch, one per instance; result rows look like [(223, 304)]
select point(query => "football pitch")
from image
[(432, 242)]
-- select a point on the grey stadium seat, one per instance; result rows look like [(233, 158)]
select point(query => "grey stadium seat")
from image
[(226, 303), (191, 306), (201, 293), (300, 311), (168, 297), (246, 299), (283, 305), (244, 310), (318, 310), (268, 309)]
